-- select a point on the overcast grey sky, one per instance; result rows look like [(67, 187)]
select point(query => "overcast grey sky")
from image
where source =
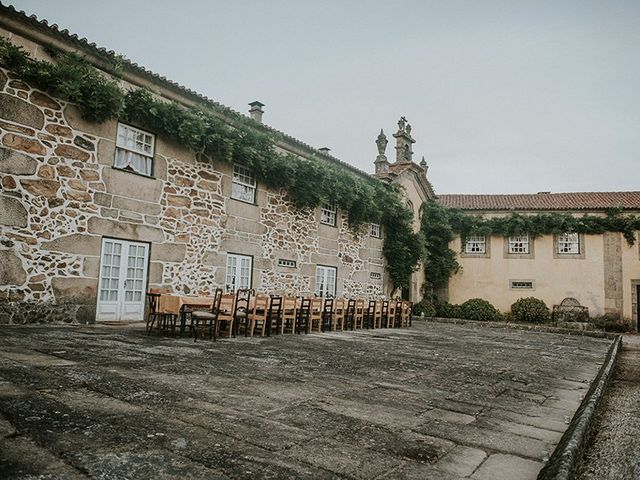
[(503, 96)]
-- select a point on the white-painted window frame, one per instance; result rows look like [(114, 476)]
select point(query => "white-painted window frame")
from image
[(243, 184), (134, 145), (374, 230), (326, 281), (569, 243), (519, 244), (329, 213), (475, 244)]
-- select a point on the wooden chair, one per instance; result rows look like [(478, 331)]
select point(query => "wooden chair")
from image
[(289, 314), (406, 313), (397, 316), (358, 318), (384, 314), (225, 314), (327, 315), (162, 321), (350, 315), (210, 317), (369, 319), (315, 315), (377, 316), (241, 313), (302, 318), (275, 315), (260, 314), (338, 314)]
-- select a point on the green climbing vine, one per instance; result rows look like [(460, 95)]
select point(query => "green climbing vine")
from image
[(216, 133), (440, 224)]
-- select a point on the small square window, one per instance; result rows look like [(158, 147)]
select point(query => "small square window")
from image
[(375, 230), (519, 244), (521, 284), (286, 263), (134, 149), (569, 243), (475, 244), (243, 186), (328, 213)]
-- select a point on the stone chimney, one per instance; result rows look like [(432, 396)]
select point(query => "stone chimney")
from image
[(381, 163), (404, 142), (324, 150), (256, 111)]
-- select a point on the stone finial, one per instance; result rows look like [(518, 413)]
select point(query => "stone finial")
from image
[(381, 163), (382, 143), (256, 111), (423, 164), (404, 142)]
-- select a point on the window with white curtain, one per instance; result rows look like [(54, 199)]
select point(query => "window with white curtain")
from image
[(475, 244), (569, 243), (239, 269), (326, 281), (519, 243), (134, 149), (243, 186), (328, 213)]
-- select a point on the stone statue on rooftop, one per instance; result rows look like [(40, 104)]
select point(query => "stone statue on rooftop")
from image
[(382, 143), (402, 124)]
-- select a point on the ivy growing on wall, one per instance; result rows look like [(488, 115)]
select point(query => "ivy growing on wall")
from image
[(440, 224), (308, 182)]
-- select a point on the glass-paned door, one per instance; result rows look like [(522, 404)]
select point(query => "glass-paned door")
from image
[(325, 281), (239, 269), (123, 279)]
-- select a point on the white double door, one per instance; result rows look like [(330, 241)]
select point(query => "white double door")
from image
[(123, 280)]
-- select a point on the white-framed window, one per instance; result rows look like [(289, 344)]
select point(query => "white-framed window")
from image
[(569, 243), (519, 243), (326, 281), (475, 244), (374, 230), (134, 149), (328, 213), (243, 186), (239, 268)]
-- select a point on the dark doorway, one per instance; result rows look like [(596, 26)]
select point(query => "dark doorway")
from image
[(405, 293)]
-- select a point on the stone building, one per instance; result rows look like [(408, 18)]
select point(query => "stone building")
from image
[(93, 214), (601, 271)]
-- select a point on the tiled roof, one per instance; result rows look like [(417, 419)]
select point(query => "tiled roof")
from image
[(101, 52), (544, 201)]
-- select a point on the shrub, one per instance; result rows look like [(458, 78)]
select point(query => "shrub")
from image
[(424, 307), (478, 309), (447, 310), (611, 323), (530, 309)]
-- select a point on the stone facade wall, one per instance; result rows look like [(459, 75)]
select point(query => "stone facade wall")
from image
[(59, 196)]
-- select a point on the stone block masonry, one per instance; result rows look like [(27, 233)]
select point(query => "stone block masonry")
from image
[(60, 196)]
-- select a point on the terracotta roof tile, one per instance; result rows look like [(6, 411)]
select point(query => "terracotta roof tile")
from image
[(544, 201)]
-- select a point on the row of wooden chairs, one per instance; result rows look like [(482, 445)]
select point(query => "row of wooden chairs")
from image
[(263, 314)]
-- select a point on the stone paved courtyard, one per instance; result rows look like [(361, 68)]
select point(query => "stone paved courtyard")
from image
[(434, 401)]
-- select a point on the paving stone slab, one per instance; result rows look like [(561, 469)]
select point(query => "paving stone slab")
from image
[(421, 402)]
